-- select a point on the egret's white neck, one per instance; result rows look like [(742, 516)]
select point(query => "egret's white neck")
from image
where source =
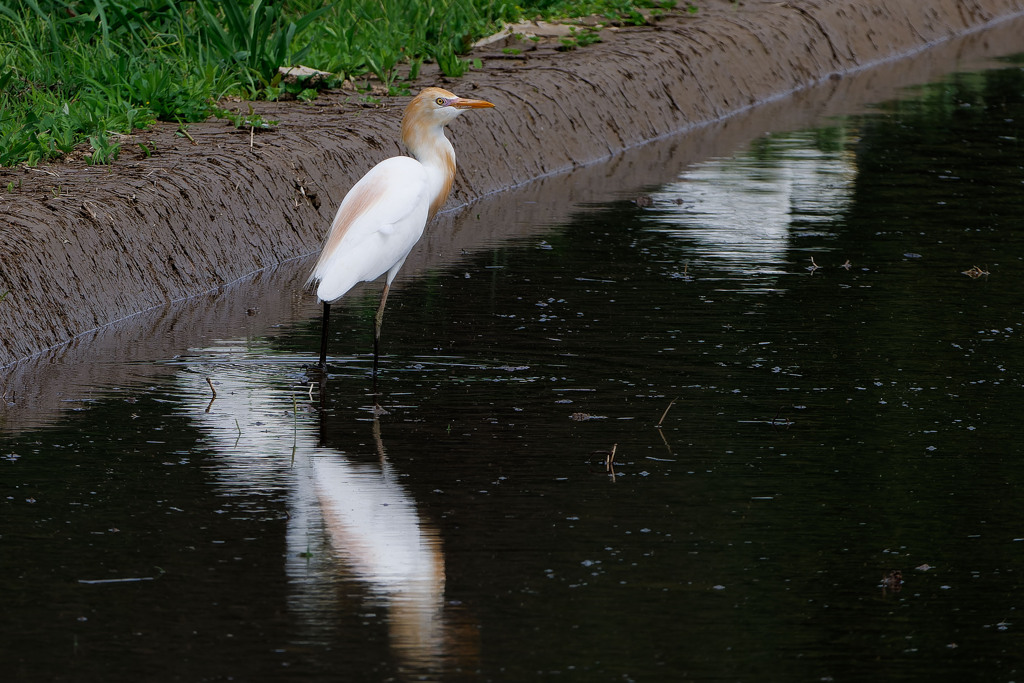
[(431, 148)]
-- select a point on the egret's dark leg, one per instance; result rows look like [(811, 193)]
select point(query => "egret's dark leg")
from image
[(323, 336), (377, 320)]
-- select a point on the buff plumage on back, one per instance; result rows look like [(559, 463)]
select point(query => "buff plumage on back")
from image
[(358, 201), (377, 225)]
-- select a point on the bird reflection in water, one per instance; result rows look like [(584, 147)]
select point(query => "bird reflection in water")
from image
[(350, 522)]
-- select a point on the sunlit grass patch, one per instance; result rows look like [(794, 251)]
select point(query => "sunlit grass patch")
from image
[(77, 73)]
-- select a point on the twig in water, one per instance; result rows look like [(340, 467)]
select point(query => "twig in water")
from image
[(295, 428), (609, 461), (658, 426), (212, 398), (668, 446)]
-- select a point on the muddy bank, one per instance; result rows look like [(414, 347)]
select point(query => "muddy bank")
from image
[(84, 247)]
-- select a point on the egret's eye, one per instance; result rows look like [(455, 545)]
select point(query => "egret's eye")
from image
[(440, 101)]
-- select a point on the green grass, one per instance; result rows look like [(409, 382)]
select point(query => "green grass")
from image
[(76, 75)]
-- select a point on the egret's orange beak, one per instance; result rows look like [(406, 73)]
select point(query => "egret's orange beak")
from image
[(463, 103)]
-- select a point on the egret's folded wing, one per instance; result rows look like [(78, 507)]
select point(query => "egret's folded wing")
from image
[(376, 226)]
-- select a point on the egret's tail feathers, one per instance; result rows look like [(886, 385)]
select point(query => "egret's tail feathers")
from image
[(334, 285)]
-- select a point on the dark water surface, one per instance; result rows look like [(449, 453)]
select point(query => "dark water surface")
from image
[(815, 415)]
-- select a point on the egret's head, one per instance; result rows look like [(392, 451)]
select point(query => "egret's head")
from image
[(436, 107)]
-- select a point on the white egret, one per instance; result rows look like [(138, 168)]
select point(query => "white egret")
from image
[(383, 215)]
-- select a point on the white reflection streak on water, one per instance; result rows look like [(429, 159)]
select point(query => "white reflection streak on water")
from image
[(743, 212), (346, 519)]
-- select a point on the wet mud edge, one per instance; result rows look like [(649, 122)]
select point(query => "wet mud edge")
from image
[(82, 247)]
